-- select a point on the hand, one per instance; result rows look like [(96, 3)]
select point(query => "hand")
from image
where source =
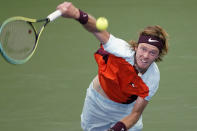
[(110, 130), (119, 126), (68, 10)]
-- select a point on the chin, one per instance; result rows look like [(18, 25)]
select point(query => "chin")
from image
[(143, 67)]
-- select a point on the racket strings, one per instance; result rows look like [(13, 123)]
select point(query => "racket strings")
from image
[(18, 39)]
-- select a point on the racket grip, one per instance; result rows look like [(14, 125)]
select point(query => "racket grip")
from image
[(54, 15)]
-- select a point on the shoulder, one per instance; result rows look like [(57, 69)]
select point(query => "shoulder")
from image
[(118, 47), (152, 78), (113, 39), (153, 73)]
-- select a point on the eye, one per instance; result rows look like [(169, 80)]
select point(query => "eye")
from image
[(153, 53), (143, 48)]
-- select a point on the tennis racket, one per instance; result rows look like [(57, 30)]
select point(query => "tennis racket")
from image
[(19, 37)]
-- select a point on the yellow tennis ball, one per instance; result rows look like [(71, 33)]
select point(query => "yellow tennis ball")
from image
[(101, 23)]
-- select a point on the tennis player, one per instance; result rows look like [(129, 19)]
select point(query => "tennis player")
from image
[(127, 76)]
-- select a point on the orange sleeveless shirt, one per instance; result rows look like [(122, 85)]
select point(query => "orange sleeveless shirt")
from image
[(119, 79)]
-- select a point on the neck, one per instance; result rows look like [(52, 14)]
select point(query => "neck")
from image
[(142, 71)]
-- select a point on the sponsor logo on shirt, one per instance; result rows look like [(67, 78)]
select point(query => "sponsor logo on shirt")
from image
[(132, 84)]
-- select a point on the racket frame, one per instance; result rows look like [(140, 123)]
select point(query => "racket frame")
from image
[(51, 17), (37, 34)]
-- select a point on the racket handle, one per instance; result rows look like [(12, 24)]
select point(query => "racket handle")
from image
[(54, 15)]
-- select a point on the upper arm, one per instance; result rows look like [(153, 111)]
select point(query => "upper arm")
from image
[(139, 105), (102, 36)]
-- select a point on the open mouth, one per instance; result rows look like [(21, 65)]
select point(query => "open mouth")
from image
[(143, 61)]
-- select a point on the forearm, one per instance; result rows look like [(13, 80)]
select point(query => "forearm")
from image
[(102, 36), (137, 110), (91, 24), (131, 119), (87, 21)]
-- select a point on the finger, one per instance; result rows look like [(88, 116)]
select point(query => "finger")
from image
[(63, 7)]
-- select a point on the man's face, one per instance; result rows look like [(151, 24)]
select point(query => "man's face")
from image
[(145, 55)]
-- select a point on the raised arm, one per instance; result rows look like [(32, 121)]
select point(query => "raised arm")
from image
[(70, 11)]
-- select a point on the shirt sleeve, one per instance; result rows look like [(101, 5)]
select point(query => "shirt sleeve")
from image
[(152, 79), (118, 47), (152, 90)]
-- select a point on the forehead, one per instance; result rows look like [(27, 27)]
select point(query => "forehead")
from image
[(149, 47)]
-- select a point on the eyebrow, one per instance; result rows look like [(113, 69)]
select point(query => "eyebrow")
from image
[(154, 50)]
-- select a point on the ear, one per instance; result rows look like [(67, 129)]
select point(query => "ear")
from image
[(135, 48), (157, 56)]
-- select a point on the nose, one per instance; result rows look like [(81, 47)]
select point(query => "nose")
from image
[(146, 54)]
